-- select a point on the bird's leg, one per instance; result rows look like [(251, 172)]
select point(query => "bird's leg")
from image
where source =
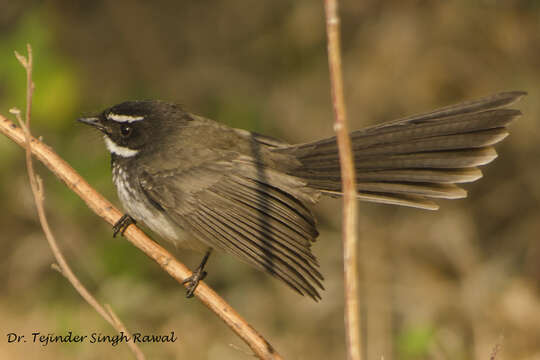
[(198, 275), (121, 225)]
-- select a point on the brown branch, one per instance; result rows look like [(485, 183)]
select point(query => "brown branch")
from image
[(166, 260), (350, 262), (36, 185)]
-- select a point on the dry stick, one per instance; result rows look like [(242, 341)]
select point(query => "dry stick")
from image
[(166, 260), (36, 185), (352, 319)]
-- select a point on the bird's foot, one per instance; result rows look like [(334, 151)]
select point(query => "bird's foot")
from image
[(198, 275), (122, 224)]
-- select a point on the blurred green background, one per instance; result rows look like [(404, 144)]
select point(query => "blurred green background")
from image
[(435, 285)]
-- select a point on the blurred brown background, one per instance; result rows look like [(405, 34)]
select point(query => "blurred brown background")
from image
[(436, 285)]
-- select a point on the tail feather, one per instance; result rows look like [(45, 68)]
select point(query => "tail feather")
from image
[(478, 139), (442, 176), (414, 159)]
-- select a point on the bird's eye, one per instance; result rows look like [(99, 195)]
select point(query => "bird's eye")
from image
[(125, 130)]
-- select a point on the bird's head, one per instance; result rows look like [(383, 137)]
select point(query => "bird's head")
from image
[(134, 126)]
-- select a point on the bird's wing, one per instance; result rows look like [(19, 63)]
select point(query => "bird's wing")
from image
[(235, 205)]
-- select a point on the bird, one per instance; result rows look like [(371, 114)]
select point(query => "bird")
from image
[(205, 186)]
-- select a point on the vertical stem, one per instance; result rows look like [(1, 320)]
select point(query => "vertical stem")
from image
[(350, 262), (36, 186)]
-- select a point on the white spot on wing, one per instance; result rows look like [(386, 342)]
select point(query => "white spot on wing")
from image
[(124, 118), (119, 150)]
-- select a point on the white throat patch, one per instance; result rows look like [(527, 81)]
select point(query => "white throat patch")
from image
[(119, 150), (124, 118)]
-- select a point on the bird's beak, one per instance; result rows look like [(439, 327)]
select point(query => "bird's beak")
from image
[(93, 121)]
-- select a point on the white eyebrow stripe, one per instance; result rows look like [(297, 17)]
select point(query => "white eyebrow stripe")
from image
[(119, 150), (124, 118)]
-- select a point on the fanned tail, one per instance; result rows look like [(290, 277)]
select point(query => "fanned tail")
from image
[(413, 160)]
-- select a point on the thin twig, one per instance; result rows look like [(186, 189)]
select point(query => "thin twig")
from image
[(103, 208), (36, 185), (350, 263)]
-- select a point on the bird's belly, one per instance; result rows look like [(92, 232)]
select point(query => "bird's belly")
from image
[(139, 208)]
